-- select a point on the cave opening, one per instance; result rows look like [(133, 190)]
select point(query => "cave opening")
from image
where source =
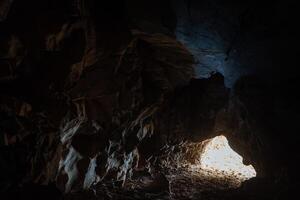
[(219, 160)]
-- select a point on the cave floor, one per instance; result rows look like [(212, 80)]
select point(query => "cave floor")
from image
[(182, 184)]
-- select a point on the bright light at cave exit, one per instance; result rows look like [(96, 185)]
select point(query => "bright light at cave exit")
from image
[(218, 157)]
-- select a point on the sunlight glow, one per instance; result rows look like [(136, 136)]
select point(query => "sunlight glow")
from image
[(218, 158)]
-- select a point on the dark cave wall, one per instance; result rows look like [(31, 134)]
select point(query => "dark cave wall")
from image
[(239, 38), (84, 72)]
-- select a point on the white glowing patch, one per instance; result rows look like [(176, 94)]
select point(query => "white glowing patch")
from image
[(218, 158)]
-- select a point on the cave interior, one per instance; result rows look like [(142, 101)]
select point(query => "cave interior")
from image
[(137, 99)]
